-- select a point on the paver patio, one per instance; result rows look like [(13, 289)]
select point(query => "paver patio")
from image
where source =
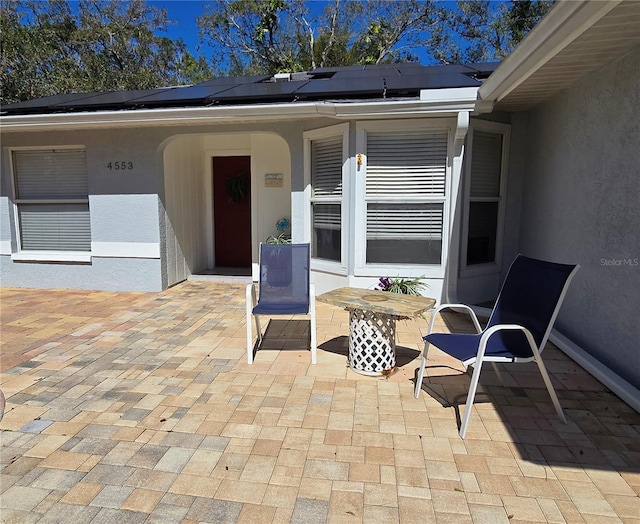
[(140, 407)]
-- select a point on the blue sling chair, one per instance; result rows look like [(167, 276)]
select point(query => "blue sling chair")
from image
[(284, 289), (518, 327)]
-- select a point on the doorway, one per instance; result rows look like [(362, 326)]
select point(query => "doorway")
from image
[(232, 211)]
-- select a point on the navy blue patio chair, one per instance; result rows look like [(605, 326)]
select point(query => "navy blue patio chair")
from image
[(517, 330), (284, 289)]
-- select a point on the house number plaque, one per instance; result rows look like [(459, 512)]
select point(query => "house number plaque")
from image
[(120, 166)]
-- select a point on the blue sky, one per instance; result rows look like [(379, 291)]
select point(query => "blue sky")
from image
[(183, 14)]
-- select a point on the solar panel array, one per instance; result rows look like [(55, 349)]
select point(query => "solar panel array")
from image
[(329, 83)]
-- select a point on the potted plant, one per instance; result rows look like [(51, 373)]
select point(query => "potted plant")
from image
[(405, 286)]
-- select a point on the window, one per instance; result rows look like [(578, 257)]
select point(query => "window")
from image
[(485, 187), (327, 160), (51, 197), (405, 188)]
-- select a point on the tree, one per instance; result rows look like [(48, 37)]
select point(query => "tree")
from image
[(58, 46), (105, 45), (270, 36), (482, 30)]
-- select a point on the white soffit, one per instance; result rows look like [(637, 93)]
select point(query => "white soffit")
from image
[(574, 39)]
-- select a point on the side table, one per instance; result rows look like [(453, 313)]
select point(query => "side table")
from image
[(372, 324)]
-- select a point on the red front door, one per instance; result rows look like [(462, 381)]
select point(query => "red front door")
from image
[(232, 210)]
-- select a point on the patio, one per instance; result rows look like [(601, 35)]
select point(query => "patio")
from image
[(140, 407)]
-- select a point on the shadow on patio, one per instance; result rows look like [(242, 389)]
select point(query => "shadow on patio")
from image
[(141, 408)]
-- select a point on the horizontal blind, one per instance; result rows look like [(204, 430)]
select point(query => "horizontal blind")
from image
[(326, 216), (51, 174), (326, 167), (55, 227), (408, 162), (408, 221), (486, 164)]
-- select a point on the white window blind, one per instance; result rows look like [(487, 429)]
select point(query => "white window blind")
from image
[(326, 170), (484, 197), (391, 221), (51, 174), (52, 199), (485, 164), (326, 199), (406, 163), (405, 189)]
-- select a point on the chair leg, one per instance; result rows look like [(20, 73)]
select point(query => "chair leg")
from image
[(312, 326), (475, 378), (249, 308), (314, 341), (423, 363), (547, 383)]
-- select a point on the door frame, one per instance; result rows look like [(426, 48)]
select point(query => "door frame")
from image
[(210, 154)]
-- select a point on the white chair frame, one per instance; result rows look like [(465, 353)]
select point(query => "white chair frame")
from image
[(251, 302), (476, 362)]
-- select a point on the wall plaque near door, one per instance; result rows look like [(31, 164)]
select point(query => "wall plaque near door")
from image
[(273, 180)]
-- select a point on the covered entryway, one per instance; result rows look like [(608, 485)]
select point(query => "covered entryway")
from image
[(209, 233), (232, 211)]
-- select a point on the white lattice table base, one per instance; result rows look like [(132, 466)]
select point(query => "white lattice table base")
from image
[(372, 342)]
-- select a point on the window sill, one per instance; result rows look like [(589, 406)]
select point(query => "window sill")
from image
[(327, 266), (398, 270), (50, 256)]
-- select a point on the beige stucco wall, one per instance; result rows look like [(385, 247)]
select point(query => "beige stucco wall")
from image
[(581, 204)]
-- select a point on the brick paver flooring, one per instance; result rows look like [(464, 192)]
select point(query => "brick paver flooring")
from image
[(141, 408)]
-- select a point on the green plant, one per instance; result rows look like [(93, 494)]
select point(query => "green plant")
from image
[(237, 187), (405, 286), (282, 225), (282, 238)]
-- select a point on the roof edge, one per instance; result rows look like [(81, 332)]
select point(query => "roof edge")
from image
[(562, 25), (459, 99)]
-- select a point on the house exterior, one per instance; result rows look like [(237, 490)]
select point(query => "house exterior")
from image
[(443, 172)]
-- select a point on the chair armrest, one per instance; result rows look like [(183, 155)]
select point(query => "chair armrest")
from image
[(442, 307), (250, 295), (505, 327)]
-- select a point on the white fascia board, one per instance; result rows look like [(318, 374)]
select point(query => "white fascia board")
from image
[(437, 105), (563, 24)]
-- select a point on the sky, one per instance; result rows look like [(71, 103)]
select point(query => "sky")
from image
[(183, 14)]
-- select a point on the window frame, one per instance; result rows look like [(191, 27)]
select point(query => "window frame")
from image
[(43, 255), (362, 268), (470, 270), (319, 264)]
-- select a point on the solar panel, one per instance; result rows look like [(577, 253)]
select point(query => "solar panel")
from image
[(347, 86), (363, 81), (47, 102), (202, 92), (261, 90), (111, 98), (430, 81), (191, 94), (233, 80)]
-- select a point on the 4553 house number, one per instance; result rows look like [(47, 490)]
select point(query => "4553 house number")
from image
[(120, 166)]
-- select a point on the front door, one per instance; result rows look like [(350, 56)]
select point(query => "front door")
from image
[(232, 211)]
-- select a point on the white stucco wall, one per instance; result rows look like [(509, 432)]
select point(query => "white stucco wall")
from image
[(184, 207), (581, 204), (124, 214)]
